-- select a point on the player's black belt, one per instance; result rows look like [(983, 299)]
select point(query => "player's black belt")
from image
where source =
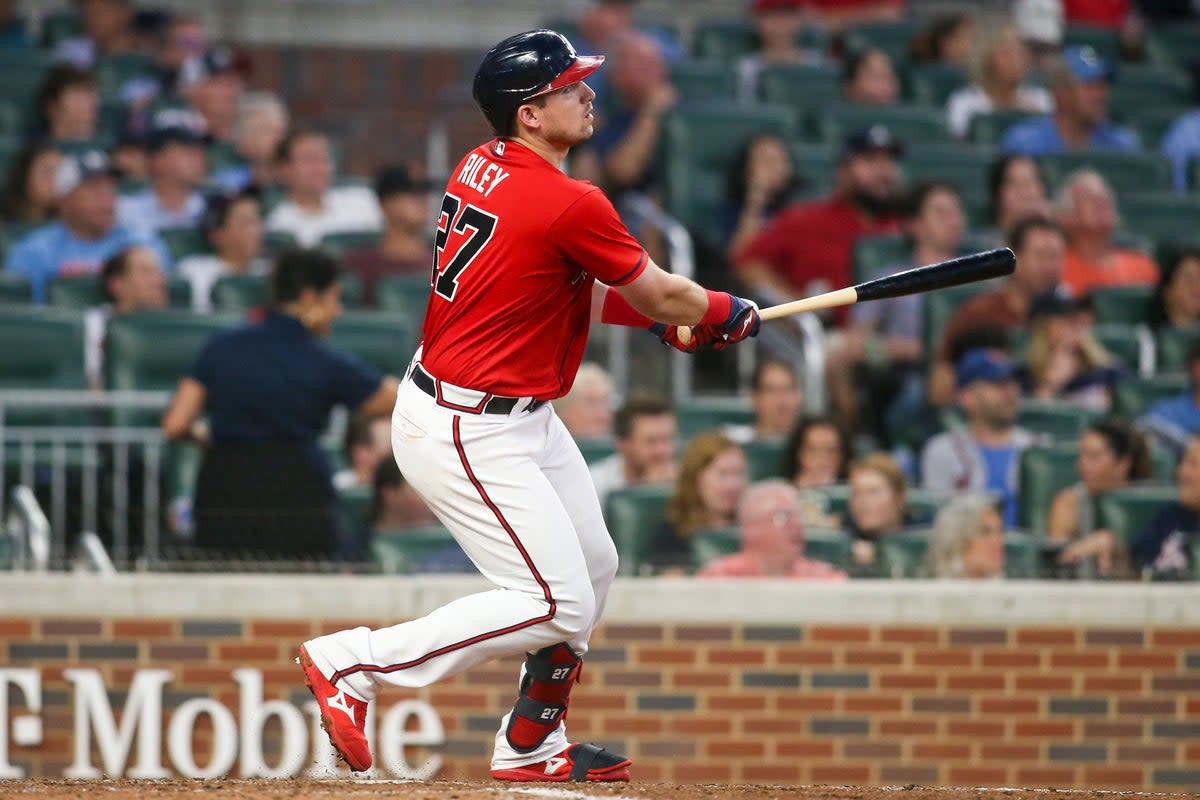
[(495, 404)]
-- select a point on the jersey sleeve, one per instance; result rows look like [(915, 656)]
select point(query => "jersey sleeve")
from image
[(590, 235)]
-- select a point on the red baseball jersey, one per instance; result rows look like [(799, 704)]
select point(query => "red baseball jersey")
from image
[(518, 247)]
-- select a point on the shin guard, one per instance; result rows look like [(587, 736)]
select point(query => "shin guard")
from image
[(545, 691)]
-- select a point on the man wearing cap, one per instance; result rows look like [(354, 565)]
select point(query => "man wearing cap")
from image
[(404, 249), (807, 248), (983, 455), (86, 233), (212, 84), (175, 150), (1079, 82)]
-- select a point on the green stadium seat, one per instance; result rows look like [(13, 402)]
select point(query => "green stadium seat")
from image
[(874, 254), (1134, 396), (902, 554), (59, 26), (939, 308), (837, 498), (1133, 346), (1163, 462), (923, 505), (710, 545), (1138, 87), (384, 340), (699, 145), (354, 507), (1105, 41), (352, 290), (221, 155), (1059, 421), (239, 293), (1044, 471), (1121, 305), (401, 552), (634, 515), (86, 291), (184, 242), (41, 349), (988, 129), (1022, 556), (764, 459), (594, 450), (408, 294), (1150, 122), (275, 242), (1162, 215), (700, 414), (1172, 345), (704, 81), (815, 164), (891, 37), (932, 84), (350, 240), (964, 166), (802, 86), (181, 465), (729, 39), (15, 288), (115, 71), (1125, 172), (1126, 512), (1180, 40), (907, 123)]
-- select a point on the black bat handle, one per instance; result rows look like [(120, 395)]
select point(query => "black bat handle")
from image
[(955, 272)]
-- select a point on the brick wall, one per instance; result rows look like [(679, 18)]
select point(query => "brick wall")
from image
[(930, 704)]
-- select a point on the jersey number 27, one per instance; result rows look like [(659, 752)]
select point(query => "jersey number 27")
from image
[(448, 266)]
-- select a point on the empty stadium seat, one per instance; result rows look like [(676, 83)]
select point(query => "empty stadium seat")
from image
[(1105, 41), (86, 291), (1133, 346), (354, 508), (408, 294), (729, 39), (1021, 556), (1134, 396), (15, 288), (1124, 305), (964, 166), (700, 414), (1150, 122), (902, 554), (41, 348), (892, 37), (384, 340), (1044, 471), (700, 144), (938, 309), (704, 81), (184, 242), (814, 165), (802, 86), (1059, 421), (352, 290), (1162, 215), (633, 516), (1172, 345), (1127, 512), (1149, 86), (932, 84), (596, 449), (988, 129), (907, 123), (1125, 172), (764, 459), (239, 293), (923, 504), (114, 71), (402, 552), (350, 240), (874, 254)]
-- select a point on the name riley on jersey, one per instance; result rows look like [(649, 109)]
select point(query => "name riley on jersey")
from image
[(483, 179)]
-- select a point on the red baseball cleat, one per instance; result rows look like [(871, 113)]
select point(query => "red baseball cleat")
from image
[(579, 762), (343, 717)]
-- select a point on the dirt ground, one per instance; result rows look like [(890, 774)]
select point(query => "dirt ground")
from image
[(452, 790)]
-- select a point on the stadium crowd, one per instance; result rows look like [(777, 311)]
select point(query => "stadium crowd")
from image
[(1044, 426)]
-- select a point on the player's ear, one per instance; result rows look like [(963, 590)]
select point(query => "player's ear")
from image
[(528, 116)]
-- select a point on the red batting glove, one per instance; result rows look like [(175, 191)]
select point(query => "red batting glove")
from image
[(702, 337)]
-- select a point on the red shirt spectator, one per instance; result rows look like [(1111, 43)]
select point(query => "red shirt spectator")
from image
[(1101, 13)]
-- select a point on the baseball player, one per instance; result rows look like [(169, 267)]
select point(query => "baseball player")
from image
[(526, 258)]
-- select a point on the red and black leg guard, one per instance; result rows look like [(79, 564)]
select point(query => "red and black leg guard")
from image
[(545, 691)]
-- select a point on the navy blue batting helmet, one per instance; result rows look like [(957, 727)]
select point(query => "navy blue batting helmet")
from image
[(522, 67)]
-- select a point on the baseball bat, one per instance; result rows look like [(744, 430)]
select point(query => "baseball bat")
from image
[(944, 274)]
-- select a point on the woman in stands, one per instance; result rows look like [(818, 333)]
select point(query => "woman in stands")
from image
[(233, 225), (1111, 456), (946, 40), (967, 540), (264, 487), (29, 197), (816, 455), (712, 477), (1176, 301), (878, 502), (1064, 362), (761, 182), (999, 66)]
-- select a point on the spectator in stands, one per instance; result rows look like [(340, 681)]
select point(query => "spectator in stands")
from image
[(395, 505), (212, 85), (68, 103), (1064, 362), (776, 397), (14, 33), (1176, 301), (645, 430), (627, 142), (884, 349), (313, 207), (878, 505), (999, 68), (771, 522), (175, 148), (712, 477), (1181, 144), (1088, 212), (947, 40), (366, 443), (108, 30), (760, 183), (233, 226), (133, 281), (778, 24), (967, 540), (262, 122), (264, 485), (404, 249), (807, 248), (868, 78), (1016, 190), (1175, 421), (1164, 550), (983, 455), (86, 233), (29, 196), (587, 409), (184, 40), (1040, 244), (130, 159), (601, 25), (817, 454), (1079, 82), (1111, 456), (1040, 23)]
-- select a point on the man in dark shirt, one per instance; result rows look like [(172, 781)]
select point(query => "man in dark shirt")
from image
[(1165, 549), (404, 248)]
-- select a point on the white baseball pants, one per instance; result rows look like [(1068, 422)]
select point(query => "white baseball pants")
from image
[(516, 494)]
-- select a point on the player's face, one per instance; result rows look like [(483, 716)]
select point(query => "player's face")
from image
[(566, 117)]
